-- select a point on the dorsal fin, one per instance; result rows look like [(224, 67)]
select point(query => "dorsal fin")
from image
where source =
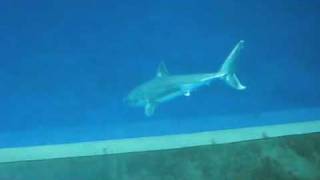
[(162, 70)]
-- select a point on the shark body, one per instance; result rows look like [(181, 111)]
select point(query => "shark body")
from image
[(165, 87)]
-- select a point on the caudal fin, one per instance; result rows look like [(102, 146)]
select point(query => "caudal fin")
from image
[(228, 68)]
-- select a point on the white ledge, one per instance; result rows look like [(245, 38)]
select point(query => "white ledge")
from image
[(94, 148)]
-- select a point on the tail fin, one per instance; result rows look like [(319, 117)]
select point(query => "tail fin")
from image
[(228, 68)]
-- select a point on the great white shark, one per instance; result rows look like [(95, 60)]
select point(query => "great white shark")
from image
[(165, 86)]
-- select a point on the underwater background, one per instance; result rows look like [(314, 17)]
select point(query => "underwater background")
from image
[(65, 66)]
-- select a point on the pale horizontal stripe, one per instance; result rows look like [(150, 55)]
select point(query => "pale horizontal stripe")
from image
[(155, 143)]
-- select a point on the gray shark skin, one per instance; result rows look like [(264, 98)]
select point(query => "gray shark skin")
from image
[(165, 87)]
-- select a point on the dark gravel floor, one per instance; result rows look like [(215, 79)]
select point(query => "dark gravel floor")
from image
[(285, 158)]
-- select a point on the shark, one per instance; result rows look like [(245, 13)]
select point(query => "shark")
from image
[(165, 86)]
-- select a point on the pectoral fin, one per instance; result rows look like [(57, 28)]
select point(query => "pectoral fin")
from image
[(149, 109)]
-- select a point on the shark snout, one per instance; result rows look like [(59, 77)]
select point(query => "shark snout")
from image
[(129, 101)]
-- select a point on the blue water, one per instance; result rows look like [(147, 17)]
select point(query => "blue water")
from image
[(65, 66)]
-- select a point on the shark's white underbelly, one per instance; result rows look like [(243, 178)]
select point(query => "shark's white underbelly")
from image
[(185, 90), (170, 96)]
